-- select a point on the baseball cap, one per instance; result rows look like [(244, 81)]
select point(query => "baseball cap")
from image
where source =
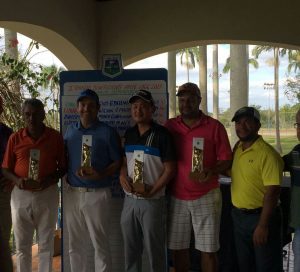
[(246, 111), (189, 87), (90, 94), (142, 94)]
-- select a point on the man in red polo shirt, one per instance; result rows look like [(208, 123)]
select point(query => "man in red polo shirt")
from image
[(203, 151), (34, 161)]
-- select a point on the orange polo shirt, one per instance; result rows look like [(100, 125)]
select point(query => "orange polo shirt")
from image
[(50, 144)]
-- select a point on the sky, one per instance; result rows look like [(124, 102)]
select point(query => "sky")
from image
[(257, 77)]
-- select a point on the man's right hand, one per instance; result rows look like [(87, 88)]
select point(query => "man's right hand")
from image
[(125, 182), (20, 182), (201, 177)]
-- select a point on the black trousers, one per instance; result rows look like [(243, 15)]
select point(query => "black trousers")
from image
[(263, 258)]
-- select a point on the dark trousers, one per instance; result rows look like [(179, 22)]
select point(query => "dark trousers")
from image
[(143, 227), (263, 258)]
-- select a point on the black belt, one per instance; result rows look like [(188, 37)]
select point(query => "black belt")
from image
[(249, 211)]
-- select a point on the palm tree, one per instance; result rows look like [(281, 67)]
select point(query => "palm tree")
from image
[(200, 54), (292, 84), (10, 86), (172, 83), (187, 58), (294, 60), (215, 78), (277, 53), (201, 57), (238, 65), (51, 81), (11, 43)]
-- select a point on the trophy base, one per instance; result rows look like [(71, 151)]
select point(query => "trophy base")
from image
[(139, 187), (87, 170)]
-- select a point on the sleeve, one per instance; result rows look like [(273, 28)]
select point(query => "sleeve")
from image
[(124, 143), (287, 162), (272, 168), (288, 158), (223, 148), (9, 156)]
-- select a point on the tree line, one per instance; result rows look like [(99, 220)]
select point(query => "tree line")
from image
[(286, 116)]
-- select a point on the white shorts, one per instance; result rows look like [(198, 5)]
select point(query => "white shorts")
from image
[(203, 215)]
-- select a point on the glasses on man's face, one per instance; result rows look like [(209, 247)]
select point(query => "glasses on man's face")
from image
[(297, 125)]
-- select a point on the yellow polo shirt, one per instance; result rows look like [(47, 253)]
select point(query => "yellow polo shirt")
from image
[(252, 170)]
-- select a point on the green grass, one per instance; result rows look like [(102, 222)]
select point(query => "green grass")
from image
[(287, 142)]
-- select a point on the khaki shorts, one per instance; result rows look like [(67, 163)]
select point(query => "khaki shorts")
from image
[(203, 215)]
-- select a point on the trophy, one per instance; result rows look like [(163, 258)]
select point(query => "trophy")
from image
[(138, 182), (86, 154), (33, 170), (197, 155)]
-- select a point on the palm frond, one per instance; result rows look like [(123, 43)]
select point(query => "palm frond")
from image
[(259, 49), (253, 62), (226, 67)]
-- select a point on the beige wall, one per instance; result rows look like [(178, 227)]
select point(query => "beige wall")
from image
[(153, 26), (67, 28), (80, 31)]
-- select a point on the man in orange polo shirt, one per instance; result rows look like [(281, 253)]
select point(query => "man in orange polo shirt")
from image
[(34, 161)]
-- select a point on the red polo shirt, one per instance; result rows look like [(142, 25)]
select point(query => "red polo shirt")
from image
[(51, 148), (216, 147)]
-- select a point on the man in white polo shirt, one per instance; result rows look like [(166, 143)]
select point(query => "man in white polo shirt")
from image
[(150, 161)]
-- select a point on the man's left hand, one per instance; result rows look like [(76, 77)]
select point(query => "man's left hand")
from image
[(260, 236), (88, 173), (147, 193), (202, 176)]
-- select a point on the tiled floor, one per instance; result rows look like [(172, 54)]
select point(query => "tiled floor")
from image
[(287, 260)]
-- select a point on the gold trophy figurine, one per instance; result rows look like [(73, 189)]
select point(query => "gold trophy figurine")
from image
[(138, 182), (197, 155), (86, 154), (33, 169), (197, 160)]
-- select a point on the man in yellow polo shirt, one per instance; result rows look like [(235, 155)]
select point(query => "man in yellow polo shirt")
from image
[(256, 177)]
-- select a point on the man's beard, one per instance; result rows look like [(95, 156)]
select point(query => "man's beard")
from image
[(190, 115), (249, 138)]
